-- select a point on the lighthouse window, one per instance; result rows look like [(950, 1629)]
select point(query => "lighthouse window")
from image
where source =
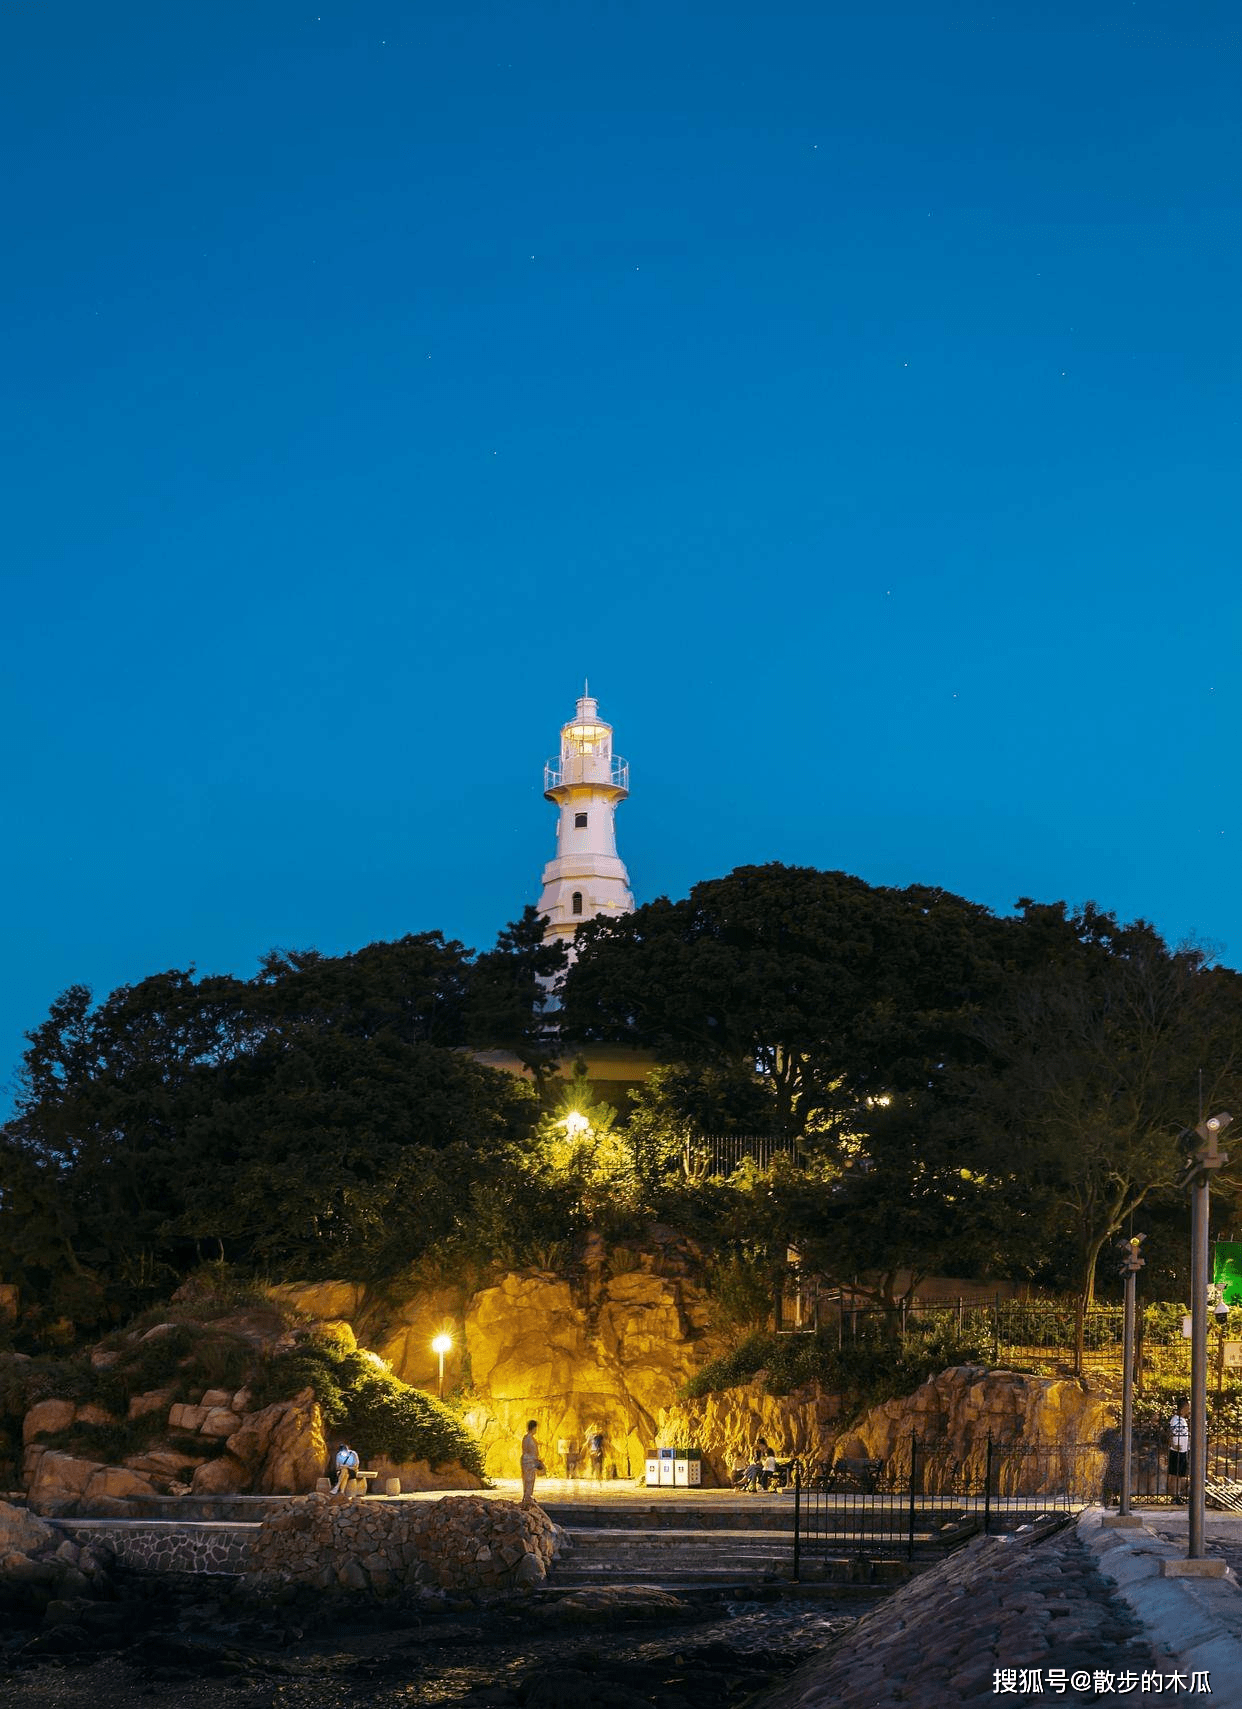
[(580, 821), (576, 902)]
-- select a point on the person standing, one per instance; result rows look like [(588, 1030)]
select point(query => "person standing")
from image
[(532, 1465), (1179, 1450), (595, 1447)]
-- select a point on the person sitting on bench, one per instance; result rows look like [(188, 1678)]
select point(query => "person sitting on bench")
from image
[(346, 1463)]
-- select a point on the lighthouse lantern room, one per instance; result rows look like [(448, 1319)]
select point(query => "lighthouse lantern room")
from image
[(586, 782)]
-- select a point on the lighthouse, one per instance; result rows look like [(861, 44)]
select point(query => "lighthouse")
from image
[(586, 782)]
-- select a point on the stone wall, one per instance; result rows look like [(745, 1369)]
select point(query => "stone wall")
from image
[(461, 1542), (168, 1547)]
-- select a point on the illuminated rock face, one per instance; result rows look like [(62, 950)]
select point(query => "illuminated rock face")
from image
[(587, 782), (538, 1351)]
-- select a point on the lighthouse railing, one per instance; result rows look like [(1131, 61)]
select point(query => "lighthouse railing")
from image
[(587, 768)]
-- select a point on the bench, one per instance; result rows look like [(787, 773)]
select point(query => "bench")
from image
[(848, 1475)]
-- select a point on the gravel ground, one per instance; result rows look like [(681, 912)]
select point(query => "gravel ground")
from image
[(533, 1652)]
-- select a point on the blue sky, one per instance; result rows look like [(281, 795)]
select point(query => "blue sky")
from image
[(850, 391)]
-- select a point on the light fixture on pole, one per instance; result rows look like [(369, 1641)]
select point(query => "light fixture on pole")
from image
[(1205, 1158), (442, 1344), (1131, 1264)]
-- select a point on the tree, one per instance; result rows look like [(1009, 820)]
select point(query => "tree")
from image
[(1094, 1057), (322, 1112), (833, 992), (510, 991)]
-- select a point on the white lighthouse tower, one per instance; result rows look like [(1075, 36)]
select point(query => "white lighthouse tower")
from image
[(586, 782)]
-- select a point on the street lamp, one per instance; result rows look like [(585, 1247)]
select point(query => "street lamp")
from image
[(442, 1344), (1220, 1310), (576, 1123), (1204, 1158), (1131, 1264)]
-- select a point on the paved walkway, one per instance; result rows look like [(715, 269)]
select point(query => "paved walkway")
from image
[(1222, 1532)]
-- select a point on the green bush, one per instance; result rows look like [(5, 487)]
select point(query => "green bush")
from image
[(866, 1371), (361, 1398)]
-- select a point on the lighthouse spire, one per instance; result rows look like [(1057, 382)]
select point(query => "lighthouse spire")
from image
[(586, 781)]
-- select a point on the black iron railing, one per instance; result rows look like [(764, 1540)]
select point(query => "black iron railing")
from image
[(929, 1496)]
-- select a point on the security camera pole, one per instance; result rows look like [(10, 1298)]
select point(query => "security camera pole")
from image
[(1131, 1264), (1204, 1160)]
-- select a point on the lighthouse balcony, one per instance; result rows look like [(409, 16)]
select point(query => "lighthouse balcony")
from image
[(604, 769)]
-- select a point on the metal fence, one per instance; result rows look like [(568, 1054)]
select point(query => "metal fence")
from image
[(711, 1154), (1004, 1330), (929, 1497)]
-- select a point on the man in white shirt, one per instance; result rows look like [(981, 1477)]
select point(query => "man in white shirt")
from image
[(1179, 1450), (531, 1463)]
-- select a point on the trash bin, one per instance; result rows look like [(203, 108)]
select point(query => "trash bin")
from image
[(667, 1476)]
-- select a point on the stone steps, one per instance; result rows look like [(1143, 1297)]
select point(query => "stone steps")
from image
[(615, 1556)]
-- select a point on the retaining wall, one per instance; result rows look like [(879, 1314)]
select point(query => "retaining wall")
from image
[(155, 1546)]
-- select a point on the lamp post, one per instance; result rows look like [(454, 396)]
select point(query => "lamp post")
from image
[(1204, 1159), (1216, 1300), (442, 1344), (1131, 1264)]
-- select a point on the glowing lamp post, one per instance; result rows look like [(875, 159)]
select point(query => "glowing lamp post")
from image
[(576, 1124), (1204, 1159), (442, 1344), (1131, 1265)]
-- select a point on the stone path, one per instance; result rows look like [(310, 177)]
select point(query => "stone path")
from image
[(1222, 1531), (1022, 1604)]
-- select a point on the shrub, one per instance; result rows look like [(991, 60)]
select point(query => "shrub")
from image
[(359, 1396), (867, 1372)]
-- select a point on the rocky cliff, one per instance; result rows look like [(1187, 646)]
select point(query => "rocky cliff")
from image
[(952, 1414), (608, 1355)]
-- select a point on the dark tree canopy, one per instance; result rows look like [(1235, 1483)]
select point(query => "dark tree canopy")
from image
[(832, 990), (968, 1093), (322, 1114)]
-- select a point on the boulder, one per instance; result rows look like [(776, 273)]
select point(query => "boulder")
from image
[(89, 1413), (283, 1446), (413, 1476), (22, 1532), (46, 1417), (116, 1483), (215, 1397), (165, 1465), (963, 1406), (8, 1302), (153, 1400), (220, 1421), (59, 1477), (224, 1475), (726, 1423), (186, 1417), (321, 1299)]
